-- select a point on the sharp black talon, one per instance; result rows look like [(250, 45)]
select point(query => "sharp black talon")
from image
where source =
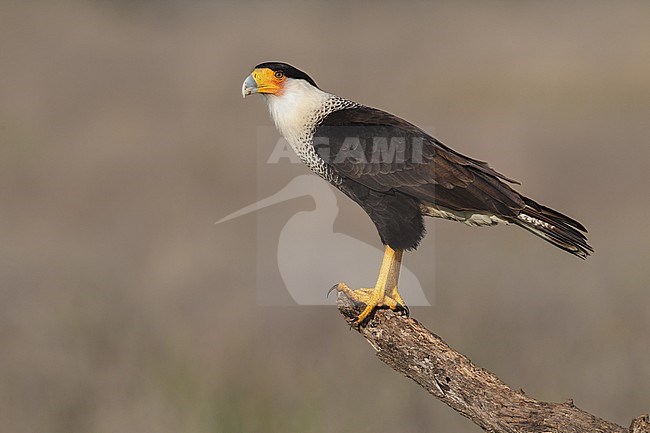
[(334, 287), (405, 309)]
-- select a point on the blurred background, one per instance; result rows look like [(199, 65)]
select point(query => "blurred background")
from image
[(124, 137)]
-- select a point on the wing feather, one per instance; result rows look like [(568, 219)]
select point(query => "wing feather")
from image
[(386, 153)]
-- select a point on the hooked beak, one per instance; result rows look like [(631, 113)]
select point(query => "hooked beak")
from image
[(262, 80), (249, 87)]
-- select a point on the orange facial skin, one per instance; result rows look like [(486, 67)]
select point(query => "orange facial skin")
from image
[(269, 81)]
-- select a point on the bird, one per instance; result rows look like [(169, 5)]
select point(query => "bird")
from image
[(398, 174)]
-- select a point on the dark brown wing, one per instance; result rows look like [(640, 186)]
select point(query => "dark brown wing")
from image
[(386, 153)]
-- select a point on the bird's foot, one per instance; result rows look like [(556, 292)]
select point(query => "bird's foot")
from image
[(372, 298)]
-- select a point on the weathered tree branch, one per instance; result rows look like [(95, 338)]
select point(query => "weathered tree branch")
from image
[(409, 348)]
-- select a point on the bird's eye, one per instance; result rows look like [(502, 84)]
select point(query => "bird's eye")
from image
[(279, 74)]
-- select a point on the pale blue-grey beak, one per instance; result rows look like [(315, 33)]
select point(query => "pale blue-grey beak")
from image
[(249, 87)]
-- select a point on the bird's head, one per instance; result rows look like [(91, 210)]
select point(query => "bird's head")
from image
[(272, 78)]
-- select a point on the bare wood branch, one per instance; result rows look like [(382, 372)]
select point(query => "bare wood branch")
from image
[(409, 348)]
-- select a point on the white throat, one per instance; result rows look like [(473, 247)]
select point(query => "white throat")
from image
[(297, 110)]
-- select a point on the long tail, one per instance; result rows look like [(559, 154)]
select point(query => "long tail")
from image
[(554, 227)]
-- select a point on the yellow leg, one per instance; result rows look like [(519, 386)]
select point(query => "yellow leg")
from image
[(392, 284), (385, 293)]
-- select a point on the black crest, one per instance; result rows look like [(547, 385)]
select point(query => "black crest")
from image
[(288, 71)]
